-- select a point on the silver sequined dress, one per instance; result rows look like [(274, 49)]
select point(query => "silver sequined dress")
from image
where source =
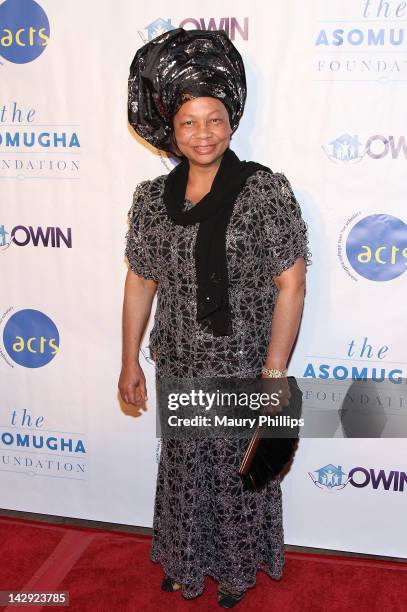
[(204, 523)]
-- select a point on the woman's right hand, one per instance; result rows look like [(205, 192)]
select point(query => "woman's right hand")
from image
[(132, 385)]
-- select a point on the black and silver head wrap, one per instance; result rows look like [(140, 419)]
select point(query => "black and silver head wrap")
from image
[(175, 67)]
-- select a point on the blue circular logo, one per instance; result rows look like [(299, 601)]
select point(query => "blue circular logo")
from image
[(377, 247), (24, 30), (31, 338)]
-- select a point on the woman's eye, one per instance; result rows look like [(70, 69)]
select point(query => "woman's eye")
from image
[(189, 122)]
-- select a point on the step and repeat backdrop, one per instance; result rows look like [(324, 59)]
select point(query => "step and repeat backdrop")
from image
[(326, 106)]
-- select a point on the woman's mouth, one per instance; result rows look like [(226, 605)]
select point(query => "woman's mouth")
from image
[(202, 149)]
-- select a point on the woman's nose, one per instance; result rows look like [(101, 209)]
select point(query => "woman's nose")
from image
[(203, 130)]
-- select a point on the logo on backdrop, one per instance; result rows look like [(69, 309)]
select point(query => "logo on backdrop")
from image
[(35, 151), (368, 46), (22, 236), (331, 478), (147, 354), (24, 31), (169, 161), (369, 362), (30, 338), (27, 447), (348, 148), (230, 25), (375, 247)]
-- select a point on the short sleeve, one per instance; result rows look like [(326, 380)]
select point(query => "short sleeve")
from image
[(137, 251), (285, 231)]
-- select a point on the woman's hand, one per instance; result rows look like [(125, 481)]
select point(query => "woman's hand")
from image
[(281, 388), (132, 385)]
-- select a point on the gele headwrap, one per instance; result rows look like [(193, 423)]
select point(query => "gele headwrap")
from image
[(175, 67)]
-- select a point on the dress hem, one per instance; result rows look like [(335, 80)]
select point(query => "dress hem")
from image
[(262, 566)]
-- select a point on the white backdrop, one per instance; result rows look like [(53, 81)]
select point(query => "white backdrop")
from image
[(326, 106)]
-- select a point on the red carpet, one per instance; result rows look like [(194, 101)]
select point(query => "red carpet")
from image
[(111, 572)]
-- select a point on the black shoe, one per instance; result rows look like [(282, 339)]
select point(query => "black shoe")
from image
[(168, 585), (229, 600)]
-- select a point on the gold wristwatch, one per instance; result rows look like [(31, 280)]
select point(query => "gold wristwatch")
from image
[(274, 372)]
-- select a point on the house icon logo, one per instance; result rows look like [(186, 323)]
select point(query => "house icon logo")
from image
[(330, 477), (345, 149), (157, 27), (4, 243)]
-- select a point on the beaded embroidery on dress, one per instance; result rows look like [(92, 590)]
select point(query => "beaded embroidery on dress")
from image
[(204, 523)]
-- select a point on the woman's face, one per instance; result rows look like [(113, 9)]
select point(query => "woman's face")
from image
[(202, 130)]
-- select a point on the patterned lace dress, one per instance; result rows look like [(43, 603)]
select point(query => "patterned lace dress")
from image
[(204, 522)]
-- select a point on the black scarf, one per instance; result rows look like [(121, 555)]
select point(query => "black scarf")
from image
[(213, 213)]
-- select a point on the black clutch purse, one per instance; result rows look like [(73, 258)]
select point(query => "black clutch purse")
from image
[(265, 457)]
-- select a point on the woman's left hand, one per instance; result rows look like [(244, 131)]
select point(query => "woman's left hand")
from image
[(280, 390)]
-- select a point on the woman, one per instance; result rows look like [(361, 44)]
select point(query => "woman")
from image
[(224, 244)]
